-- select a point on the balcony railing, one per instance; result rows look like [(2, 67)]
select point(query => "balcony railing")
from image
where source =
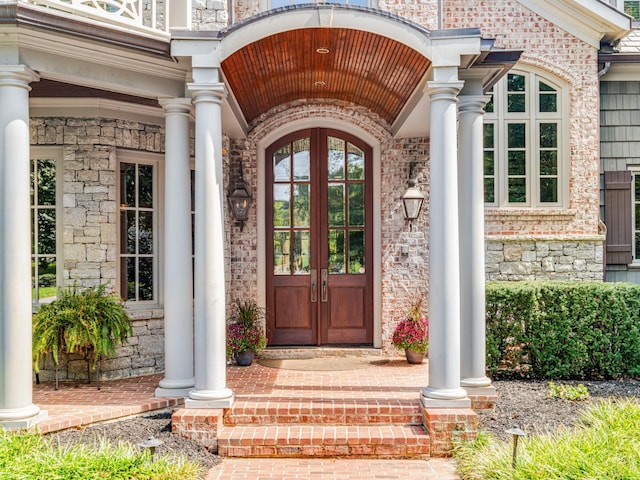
[(138, 15)]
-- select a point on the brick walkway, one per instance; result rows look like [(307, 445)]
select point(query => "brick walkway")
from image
[(333, 469), (81, 404), (76, 404)]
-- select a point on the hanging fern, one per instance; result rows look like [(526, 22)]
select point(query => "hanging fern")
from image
[(88, 321)]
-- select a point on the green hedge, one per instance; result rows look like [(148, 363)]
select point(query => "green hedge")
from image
[(546, 329)]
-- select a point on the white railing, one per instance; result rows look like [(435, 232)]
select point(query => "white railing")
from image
[(137, 14)]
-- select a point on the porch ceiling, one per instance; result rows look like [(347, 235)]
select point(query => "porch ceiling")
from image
[(324, 63)]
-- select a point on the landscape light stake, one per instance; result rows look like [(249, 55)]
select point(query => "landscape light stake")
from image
[(516, 433), (150, 444)]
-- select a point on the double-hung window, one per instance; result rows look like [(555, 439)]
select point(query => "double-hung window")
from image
[(525, 153), (139, 228), (45, 218)]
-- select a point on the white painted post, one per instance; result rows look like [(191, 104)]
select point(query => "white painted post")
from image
[(472, 275), (178, 279), (444, 267), (210, 325), (16, 407)]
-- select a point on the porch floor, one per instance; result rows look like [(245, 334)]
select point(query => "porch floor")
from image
[(397, 382)]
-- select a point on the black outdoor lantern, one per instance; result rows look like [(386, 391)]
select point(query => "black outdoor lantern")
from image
[(239, 201)]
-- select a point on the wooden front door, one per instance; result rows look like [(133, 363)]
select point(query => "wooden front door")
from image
[(319, 245)]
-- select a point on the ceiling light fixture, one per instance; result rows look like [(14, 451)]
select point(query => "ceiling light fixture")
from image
[(320, 83), (322, 50)]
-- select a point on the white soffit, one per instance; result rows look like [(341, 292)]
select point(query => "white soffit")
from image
[(589, 20)]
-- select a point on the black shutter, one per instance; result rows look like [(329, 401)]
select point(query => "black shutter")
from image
[(617, 212)]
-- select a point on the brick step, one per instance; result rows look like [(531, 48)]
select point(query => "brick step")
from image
[(380, 441), (343, 412)]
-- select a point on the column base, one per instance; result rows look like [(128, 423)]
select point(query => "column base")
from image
[(482, 398), (172, 392), (447, 394), (24, 423), (475, 382), (209, 398), (175, 388), (427, 402)]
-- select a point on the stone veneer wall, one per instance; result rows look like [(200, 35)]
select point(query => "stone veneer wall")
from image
[(511, 259), (209, 15), (90, 217)]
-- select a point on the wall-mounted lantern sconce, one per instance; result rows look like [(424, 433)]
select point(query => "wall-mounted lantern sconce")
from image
[(412, 198), (239, 201), (412, 201)]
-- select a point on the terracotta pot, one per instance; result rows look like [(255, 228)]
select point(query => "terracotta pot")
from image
[(244, 359), (414, 357)]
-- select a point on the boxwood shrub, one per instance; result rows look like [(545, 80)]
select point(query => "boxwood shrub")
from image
[(544, 329)]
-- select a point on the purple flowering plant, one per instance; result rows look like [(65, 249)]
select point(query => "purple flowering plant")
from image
[(412, 333)]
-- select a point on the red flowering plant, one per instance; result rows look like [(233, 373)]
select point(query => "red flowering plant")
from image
[(412, 333), (245, 333), (240, 339)]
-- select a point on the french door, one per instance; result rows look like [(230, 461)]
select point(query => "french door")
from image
[(319, 246)]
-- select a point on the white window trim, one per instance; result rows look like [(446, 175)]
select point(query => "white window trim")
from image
[(54, 153), (501, 119), (157, 161)]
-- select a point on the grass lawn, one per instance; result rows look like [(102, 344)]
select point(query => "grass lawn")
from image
[(605, 444), (31, 456), (45, 292)]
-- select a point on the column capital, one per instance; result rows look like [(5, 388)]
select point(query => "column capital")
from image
[(439, 90), (17, 76), (175, 105), (207, 92), (472, 103)]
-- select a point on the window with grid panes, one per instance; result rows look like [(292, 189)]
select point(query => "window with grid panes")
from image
[(138, 227), (44, 224), (524, 153)]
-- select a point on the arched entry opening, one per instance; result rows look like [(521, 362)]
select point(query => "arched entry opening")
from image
[(319, 231)]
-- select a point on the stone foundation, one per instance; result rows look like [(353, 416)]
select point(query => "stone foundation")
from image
[(511, 260), (142, 355)]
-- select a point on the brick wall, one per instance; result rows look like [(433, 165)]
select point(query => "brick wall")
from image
[(549, 48)]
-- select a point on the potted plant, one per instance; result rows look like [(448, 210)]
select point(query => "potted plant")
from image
[(412, 333), (244, 334), (90, 321)]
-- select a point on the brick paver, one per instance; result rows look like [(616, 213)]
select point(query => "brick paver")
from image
[(332, 469), (80, 404), (76, 404)]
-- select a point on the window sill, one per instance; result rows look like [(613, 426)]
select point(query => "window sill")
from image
[(530, 214)]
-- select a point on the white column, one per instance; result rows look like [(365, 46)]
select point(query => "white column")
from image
[(178, 280), (444, 267), (16, 407), (210, 331), (472, 276)]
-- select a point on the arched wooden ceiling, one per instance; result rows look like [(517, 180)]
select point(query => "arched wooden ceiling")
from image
[(324, 63)]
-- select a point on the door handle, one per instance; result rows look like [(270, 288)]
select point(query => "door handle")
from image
[(324, 278), (314, 286)]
